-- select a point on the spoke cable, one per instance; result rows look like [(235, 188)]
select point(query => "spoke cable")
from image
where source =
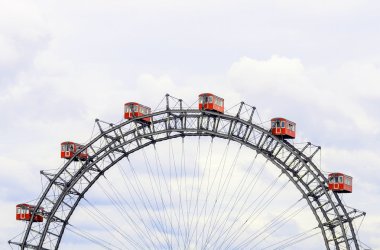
[(260, 199), (179, 187), (199, 185), (258, 210), (275, 224), (105, 220), (94, 239), (222, 226), (227, 180), (294, 240), (142, 191), (120, 209), (158, 189), (195, 171), (238, 196), (120, 200), (168, 191), (129, 185)]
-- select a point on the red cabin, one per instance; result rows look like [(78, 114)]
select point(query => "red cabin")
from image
[(211, 102), (69, 149), (283, 128), (24, 212), (340, 183), (133, 109)]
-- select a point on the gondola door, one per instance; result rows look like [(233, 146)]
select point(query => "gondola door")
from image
[(22, 214), (69, 150), (337, 181), (278, 127)]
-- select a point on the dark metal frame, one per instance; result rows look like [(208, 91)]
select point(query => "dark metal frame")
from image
[(68, 186)]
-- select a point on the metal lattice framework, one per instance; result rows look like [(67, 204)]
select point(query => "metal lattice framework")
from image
[(68, 186)]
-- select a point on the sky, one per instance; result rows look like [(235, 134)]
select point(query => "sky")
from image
[(63, 64)]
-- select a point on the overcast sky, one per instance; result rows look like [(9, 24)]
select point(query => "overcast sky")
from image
[(63, 64)]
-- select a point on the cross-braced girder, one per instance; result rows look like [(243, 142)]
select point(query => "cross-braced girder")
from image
[(116, 142)]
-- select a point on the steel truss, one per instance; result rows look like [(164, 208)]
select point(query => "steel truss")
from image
[(68, 186)]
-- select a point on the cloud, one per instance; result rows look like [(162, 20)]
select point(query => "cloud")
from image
[(62, 67), (275, 77), (327, 98), (56, 102), (23, 34)]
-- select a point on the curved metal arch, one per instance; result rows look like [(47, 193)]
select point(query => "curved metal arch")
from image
[(128, 137)]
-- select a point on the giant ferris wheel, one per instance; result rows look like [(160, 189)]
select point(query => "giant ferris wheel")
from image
[(191, 177)]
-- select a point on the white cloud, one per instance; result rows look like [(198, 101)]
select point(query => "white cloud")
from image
[(286, 85), (23, 32), (277, 77), (270, 88), (61, 67)]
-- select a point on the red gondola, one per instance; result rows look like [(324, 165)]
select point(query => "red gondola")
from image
[(283, 128), (133, 109), (340, 183), (208, 101), (69, 149), (24, 212)]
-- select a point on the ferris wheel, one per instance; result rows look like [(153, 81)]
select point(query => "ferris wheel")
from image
[(185, 177)]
